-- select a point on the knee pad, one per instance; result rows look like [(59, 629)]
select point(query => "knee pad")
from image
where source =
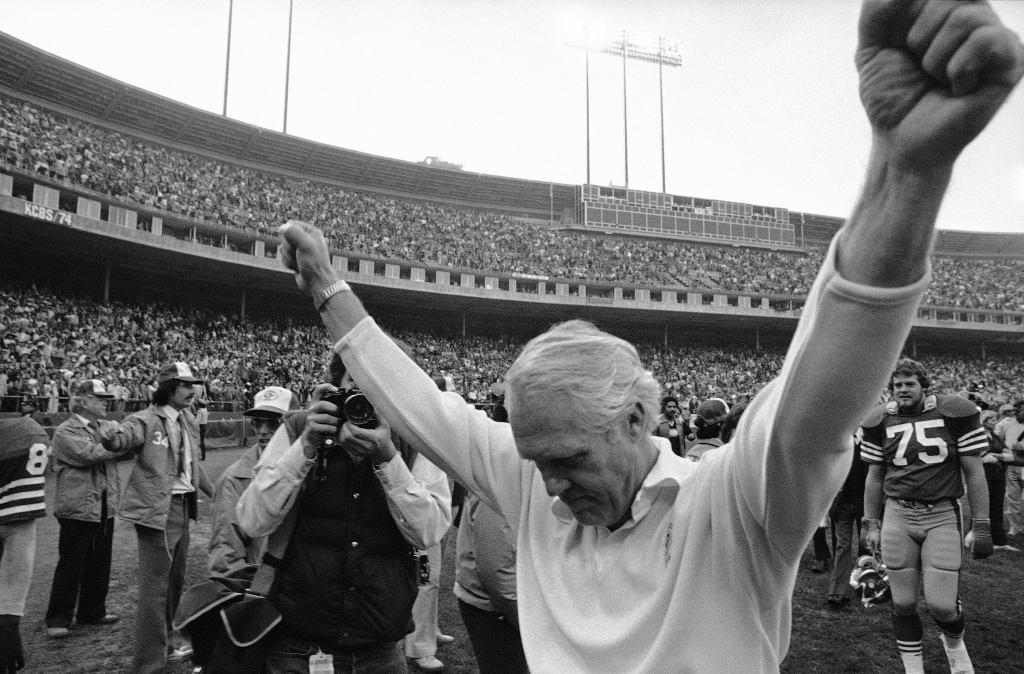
[(943, 550), (903, 584), (942, 594)]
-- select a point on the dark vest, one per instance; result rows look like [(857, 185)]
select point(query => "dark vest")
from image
[(348, 577)]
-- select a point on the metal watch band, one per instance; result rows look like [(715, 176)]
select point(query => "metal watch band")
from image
[(330, 291)]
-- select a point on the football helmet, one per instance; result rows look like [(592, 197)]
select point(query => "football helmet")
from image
[(870, 579)]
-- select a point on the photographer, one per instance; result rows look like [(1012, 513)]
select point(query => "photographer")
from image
[(346, 585)]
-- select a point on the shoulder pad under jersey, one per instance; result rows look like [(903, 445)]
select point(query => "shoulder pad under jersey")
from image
[(875, 416), (956, 406), (18, 434)]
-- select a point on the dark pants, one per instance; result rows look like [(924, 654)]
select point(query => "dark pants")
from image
[(820, 539), (286, 655), (161, 576), (846, 543), (995, 476), (496, 642), (83, 572)]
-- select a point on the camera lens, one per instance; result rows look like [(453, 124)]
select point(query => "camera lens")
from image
[(359, 411)]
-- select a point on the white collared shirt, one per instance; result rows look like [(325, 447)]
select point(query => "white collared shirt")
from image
[(701, 578), (178, 435)]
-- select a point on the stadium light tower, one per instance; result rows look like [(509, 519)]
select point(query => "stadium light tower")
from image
[(288, 65), (227, 59), (639, 48)]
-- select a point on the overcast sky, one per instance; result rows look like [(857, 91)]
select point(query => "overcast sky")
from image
[(763, 110)]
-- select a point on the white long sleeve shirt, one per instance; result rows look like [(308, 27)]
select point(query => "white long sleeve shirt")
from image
[(700, 579), (420, 500)]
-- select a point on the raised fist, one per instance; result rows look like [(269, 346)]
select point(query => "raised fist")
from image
[(933, 73)]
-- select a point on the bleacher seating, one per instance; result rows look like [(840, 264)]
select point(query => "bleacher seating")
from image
[(50, 341)]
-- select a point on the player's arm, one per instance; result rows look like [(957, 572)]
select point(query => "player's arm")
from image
[(874, 500), (873, 506), (980, 537)]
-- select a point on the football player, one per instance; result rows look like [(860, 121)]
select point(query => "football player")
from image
[(917, 445), (24, 452)]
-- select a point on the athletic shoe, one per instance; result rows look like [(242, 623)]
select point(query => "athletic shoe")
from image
[(57, 632), (821, 566), (429, 664), (178, 654), (1006, 548), (443, 639)]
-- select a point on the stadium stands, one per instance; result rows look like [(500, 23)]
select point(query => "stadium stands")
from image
[(196, 187), (49, 341)]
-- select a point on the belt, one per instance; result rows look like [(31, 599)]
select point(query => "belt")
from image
[(918, 505), (181, 495)]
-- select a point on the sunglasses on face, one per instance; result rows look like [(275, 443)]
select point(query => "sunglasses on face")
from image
[(269, 423)]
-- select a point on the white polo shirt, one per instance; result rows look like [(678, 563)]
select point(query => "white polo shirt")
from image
[(700, 579)]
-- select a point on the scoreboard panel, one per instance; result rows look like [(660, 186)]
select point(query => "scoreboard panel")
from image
[(660, 214)]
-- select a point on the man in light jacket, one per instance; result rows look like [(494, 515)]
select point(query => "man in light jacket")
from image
[(85, 499)]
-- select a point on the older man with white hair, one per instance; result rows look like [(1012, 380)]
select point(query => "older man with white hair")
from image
[(84, 503), (631, 559)]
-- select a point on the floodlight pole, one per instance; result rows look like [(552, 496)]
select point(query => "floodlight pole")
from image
[(288, 64), (227, 60), (588, 116), (661, 106), (641, 49), (625, 108)]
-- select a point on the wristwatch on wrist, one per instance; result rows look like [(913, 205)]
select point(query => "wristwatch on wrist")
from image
[(377, 465), (321, 296)]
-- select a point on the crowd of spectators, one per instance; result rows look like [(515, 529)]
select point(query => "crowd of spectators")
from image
[(197, 187), (50, 342)]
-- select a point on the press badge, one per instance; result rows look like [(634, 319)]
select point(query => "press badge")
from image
[(321, 663)]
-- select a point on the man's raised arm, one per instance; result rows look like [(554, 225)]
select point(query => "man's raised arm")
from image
[(932, 75), (454, 436)]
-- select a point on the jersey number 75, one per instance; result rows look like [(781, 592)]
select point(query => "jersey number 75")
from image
[(918, 429)]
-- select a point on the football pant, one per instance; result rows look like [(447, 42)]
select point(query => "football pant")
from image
[(923, 543)]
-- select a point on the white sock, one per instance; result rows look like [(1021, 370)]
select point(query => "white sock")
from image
[(956, 654), (913, 660)]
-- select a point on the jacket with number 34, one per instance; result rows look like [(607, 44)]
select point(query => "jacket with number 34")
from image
[(146, 494)]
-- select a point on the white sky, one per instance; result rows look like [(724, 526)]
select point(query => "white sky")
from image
[(764, 109)]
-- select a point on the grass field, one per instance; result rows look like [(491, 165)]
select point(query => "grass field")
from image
[(854, 641)]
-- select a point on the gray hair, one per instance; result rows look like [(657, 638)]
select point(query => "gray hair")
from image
[(596, 376)]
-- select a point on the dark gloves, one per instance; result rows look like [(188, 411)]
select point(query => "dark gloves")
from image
[(982, 531), (12, 657)]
